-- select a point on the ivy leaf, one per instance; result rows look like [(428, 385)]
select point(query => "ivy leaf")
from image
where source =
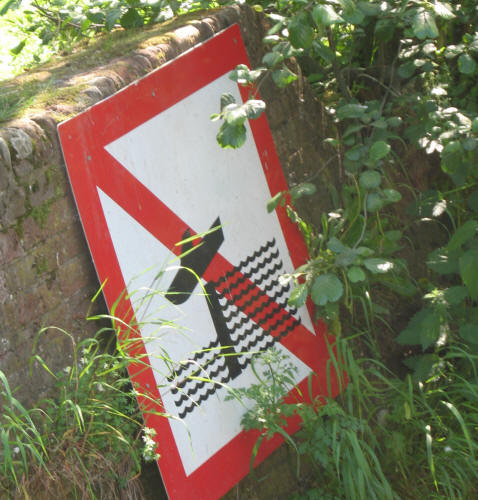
[(325, 15), (370, 179), (298, 296), (301, 33), (231, 135), (376, 265), (424, 25), (379, 150), (356, 274), (466, 64), (423, 328), (274, 201), (468, 266), (326, 288), (303, 189)]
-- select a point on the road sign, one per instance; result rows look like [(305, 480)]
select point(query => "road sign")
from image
[(148, 176)]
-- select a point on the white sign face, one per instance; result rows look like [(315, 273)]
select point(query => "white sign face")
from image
[(181, 225), (176, 156)]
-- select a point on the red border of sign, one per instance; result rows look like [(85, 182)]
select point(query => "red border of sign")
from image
[(89, 166)]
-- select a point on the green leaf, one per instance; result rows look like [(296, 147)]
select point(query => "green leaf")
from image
[(356, 274), (273, 58), (374, 202), (398, 284), (231, 135), (96, 17), (345, 258), (466, 64), (351, 111), (455, 295), (469, 332), (111, 18), (474, 125), (353, 16), (234, 114), (326, 288), (442, 261), (422, 366), (335, 245), (443, 9), (377, 265), (227, 99), (298, 295), (274, 201), (9, 4), (424, 25), (240, 74), (463, 234), (18, 48), (131, 19), (370, 179), (392, 195), (325, 15), (303, 189), (283, 77), (301, 33), (472, 201), (423, 328), (379, 150), (254, 108), (468, 266)]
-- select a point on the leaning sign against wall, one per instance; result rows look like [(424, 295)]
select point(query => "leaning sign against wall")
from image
[(177, 228)]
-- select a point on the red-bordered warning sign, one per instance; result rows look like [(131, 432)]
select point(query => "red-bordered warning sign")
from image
[(147, 174)]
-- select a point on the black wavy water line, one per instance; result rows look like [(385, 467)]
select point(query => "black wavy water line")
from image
[(244, 263), (246, 276), (197, 357), (247, 332), (188, 381), (210, 391)]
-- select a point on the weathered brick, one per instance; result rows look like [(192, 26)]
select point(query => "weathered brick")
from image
[(20, 274), (70, 243), (61, 214), (40, 189), (10, 247), (75, 274), (13, 206)]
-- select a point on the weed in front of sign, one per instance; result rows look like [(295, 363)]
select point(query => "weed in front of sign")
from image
[(85, 439)]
